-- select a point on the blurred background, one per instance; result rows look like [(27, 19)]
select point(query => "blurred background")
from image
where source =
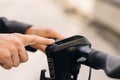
[(98, 20)]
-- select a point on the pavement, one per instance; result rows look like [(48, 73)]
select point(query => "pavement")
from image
[(47, 13)]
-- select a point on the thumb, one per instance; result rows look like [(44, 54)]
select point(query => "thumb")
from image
[(34, 39)]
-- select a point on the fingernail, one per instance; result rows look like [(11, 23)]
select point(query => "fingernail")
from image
[(52, 41)]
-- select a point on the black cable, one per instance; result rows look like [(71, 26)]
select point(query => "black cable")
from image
[(90, 72)]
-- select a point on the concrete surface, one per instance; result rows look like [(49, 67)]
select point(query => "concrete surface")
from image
[(49, 14)]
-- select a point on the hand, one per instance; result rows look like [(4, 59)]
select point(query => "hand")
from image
[(12, 51), (44, 32)]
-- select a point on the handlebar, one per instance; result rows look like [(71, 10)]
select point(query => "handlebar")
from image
[(110, 64), (66, 56)]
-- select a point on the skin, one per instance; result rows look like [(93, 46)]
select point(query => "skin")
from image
[(12, 51), (44, 32)]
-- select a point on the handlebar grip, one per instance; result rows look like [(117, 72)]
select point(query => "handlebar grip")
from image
[(110, 64)]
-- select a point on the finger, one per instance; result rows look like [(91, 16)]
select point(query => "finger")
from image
[(33, 39), (7, 64), (15, 59), (6, 61), (43, 47), (23, 56), (14, 55), (45, 32), (40, 47), (54, 34)]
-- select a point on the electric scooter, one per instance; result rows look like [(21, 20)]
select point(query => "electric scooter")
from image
[(65, 58)]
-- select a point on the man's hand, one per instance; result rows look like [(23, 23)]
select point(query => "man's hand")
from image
[(43, 32), (12, 51)]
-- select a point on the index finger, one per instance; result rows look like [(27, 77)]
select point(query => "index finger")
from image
[(34, 40)]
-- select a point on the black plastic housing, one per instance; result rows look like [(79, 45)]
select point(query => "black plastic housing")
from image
[(62, 58)]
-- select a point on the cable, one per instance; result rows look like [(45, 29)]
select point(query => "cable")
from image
[(90, 72)]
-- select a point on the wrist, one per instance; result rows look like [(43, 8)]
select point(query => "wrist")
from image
[(30, 30)]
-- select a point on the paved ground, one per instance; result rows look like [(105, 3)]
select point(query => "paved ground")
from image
[(47, 13)]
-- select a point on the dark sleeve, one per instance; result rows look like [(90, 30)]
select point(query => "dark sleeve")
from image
[(7, 26)]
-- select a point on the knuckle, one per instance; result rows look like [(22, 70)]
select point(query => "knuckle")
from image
[(48, 30), (7, 56), (12, 49), (17, 42), (17, 34), (34, 38), (17, 38), (46, 41)]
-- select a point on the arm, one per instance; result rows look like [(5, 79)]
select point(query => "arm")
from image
[(13, 44), (7, 26)]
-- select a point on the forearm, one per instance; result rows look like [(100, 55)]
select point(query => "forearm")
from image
[(7, 26)]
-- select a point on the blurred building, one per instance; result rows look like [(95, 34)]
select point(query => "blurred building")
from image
[(106, 12)]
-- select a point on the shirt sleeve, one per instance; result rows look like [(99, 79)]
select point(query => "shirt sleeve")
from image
[(9, 26)]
